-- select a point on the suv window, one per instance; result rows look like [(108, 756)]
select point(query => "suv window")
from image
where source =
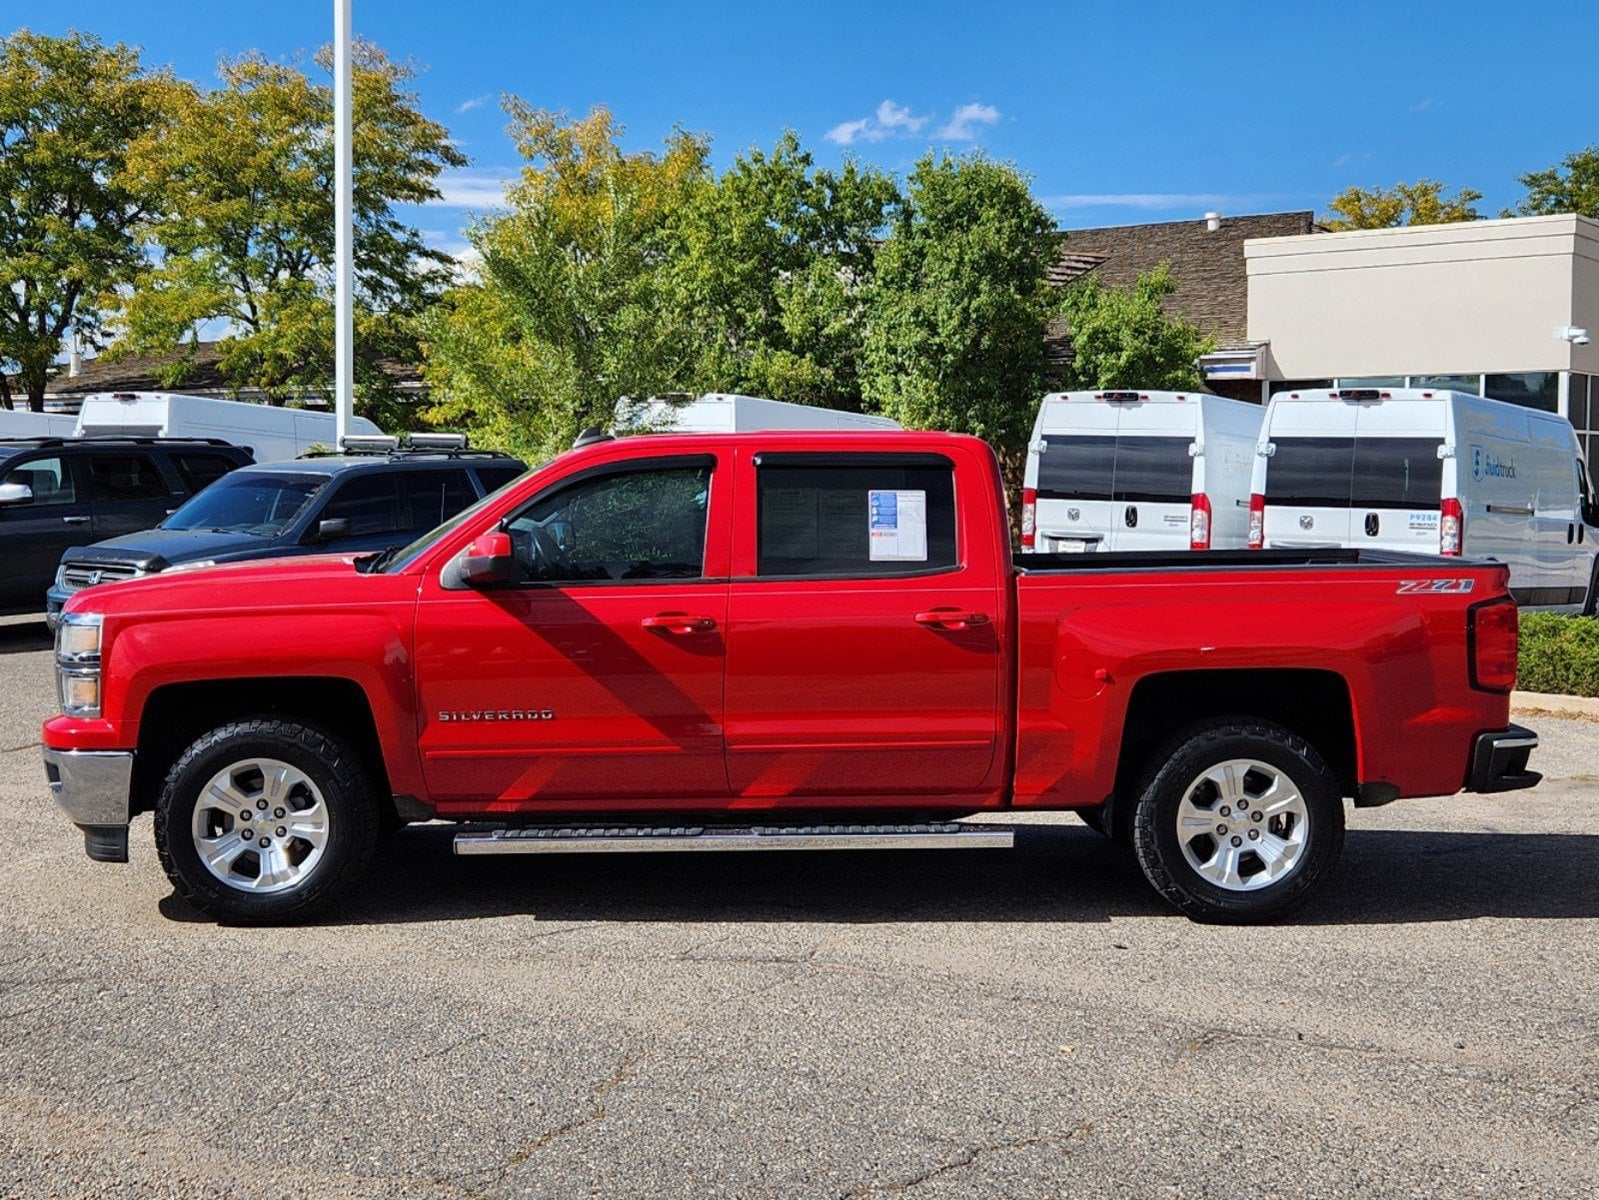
[(118, 477), (370, 503), (50, 479), (494, 478), (819, 515), (435, 496), (633, 525), (201, 470)]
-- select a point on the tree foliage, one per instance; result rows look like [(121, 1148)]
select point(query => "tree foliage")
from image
[(1419, 203), (571, 308), (1570, 187), (1126, 339), (770, 265), (244, 232), (960, 303), (69, 108)]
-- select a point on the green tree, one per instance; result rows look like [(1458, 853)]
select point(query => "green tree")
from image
[(1126, 339), (69, 107), (245, 232), (960, 304), (572, 306), (1571, 187), (770, 264), (1419, 203)]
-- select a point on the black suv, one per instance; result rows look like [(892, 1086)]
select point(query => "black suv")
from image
[(56, 492), (323, 504)]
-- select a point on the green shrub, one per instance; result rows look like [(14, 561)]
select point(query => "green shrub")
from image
[(1559, 654)]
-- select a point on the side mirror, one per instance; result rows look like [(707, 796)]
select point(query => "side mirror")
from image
[(487, 560), (331, 528), (15, 493)]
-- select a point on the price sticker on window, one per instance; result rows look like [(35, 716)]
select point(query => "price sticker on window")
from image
[(897, 524)]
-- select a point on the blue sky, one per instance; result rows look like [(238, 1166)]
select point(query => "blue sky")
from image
[(1121, 113)]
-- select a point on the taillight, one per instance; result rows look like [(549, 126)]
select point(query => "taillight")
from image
[(1257, 521), (1029, 516), (1493, 638), (1199, 523), (1451, 527)]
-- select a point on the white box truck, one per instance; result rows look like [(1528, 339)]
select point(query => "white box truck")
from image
[(723, 412), (1433, 472), (18, 424), (272, 434), (1138, 471)]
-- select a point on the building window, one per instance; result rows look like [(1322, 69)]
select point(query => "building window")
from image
[(1531, 389), (1579, 401), (1374, 381), (1470, 384)]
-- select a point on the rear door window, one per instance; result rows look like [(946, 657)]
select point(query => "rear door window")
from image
[(120, 477), (1397, 473), (199, 471), (435, 496), (1147, 469), (823, 515), (1310, 472), (494, 478)]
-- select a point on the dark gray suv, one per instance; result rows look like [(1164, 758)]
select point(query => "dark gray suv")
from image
[(60, 492), (329, 504)]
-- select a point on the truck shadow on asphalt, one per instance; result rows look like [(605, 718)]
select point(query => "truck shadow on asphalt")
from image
[(1059, 873), (25, 637)]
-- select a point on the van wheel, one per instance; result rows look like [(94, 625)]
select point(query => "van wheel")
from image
[(1239, 822), (266, 821)]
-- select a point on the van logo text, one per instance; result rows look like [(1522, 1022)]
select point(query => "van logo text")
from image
[(1491, 466)]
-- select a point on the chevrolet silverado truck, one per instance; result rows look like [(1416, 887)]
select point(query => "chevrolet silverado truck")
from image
[(773, 641)]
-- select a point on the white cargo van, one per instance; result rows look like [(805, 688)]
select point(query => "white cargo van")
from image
[(1138, 471), (1434, 472), (17, 424), (272, 434), (722, 412)]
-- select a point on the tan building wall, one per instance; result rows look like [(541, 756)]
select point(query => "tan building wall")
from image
[(1479, 297)]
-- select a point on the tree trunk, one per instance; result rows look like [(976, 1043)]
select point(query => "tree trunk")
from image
[(5, 392)]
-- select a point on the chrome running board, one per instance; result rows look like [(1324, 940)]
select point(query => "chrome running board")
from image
[(637, 839)]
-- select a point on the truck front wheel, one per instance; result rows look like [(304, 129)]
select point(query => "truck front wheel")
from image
[(266, 821), (1239, 821)]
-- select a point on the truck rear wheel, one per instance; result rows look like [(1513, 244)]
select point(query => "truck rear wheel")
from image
[(266, 821), (1239, 822)]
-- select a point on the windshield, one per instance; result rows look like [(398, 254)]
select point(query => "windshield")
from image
[(261, 504)]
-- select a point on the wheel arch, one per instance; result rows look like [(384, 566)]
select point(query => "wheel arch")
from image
[(175, 714)]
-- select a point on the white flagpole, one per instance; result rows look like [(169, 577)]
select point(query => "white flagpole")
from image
[(343, 220)]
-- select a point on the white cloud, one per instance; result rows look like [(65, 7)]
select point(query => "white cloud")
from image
[(1426, 105), (963, 126), (848, 133), (468, 105), (473, 189), (890, 120)]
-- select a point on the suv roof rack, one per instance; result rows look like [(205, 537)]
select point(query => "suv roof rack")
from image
[(120, 437)]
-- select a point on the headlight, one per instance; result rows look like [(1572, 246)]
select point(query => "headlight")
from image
[(78, 638), (78, 663)]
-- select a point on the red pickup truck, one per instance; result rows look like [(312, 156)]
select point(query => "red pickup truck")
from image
[(773, 641)]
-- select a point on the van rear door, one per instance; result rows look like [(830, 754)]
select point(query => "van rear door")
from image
[(1308, 474), (1076, 468), (1396, 487), (1153, 489)]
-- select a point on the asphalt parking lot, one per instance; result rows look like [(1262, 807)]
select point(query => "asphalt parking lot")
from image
[(989, 1024)]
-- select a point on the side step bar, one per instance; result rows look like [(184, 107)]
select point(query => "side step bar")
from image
[(635, 839)]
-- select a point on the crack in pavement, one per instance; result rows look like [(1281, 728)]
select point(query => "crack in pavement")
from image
[(966, 1158)]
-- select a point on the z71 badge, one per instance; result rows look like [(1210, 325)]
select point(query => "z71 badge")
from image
[(1446, 587)]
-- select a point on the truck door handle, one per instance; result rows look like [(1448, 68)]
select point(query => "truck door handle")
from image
[(952, 618), (679, 623), (74, 520)]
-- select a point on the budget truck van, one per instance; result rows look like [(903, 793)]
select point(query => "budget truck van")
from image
[(1433, 472), (724, 412), (1111, 471), (270, 433)]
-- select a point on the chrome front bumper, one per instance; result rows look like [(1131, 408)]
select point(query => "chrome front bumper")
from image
[(92, 787)]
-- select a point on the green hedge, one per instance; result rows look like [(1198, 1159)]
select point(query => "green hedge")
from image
[(1559, 654)]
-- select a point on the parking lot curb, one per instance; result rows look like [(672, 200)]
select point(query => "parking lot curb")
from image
[(1557, 705)]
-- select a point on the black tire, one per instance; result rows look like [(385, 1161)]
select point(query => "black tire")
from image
[(352, 820), (1180, 765)]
